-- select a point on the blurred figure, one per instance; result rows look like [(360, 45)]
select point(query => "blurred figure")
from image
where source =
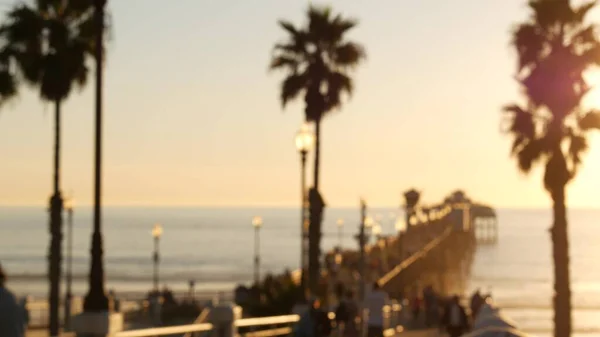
[(431, 306), (415, 306), (346, 314), (116, 303), (375, 302), (24, 307), (314, 322), (12, 322), (154, 302), (476, 302), (455, 318)]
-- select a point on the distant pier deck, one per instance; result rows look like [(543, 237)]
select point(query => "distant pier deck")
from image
[(436, 249)]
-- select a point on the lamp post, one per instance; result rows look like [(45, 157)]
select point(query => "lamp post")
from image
[(96, 300), (368, 228), (69, 204), (156, 234), (361, 238), (256, 223), (340, 226), (304, 143)]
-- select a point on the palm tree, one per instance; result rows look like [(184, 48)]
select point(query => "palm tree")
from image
[(8, 83), (317, 58), (555, 46), (50, 43)]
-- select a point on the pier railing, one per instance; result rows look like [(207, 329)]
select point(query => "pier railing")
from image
[(272, 326)]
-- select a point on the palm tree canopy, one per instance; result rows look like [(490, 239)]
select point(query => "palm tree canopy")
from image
[(8, 83), (317, 58), (50, 43), (555, 47)]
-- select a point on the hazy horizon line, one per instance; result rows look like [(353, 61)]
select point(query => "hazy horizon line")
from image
[(274, 206)]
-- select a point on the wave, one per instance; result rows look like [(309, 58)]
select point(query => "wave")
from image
[(127, 277), (508, 279), (541, 306), (575, 330)]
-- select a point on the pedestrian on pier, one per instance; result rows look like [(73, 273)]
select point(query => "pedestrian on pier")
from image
[(415, 306), (346, 314), (455, 318), (477, 301), (314, 322), (12, 322), (376, 300), (430, 299)]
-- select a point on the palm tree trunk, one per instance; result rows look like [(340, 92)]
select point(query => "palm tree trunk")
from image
[(316, 206), (55, 256), (560, 251)]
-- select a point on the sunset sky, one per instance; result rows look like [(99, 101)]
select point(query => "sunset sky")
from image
[(193, 116)]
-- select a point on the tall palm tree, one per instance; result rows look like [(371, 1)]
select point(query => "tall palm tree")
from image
[(50, 43), (555, 46), (317, 58)]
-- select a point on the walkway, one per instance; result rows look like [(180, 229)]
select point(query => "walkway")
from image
[(421, 333)]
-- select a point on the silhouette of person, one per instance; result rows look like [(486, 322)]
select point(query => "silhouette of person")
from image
[(12, 322)]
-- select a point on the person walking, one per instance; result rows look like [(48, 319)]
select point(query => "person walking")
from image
[(345, 315), (455, 318), (476, 302), (375, 302), (314, 322), (12, 320)]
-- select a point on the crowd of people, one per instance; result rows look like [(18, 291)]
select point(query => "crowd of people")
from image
[(445, 313), (430, 310)]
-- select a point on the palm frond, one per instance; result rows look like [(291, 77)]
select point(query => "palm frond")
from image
[(529, 41), (522, 122), (550, 13), (580, 12), (529, 153), (288, 26), (590, 121), (348, 54), (284, 61), (585, 36), (337, 84), (577, 146), (8, 86), (291, 87), (51, 44)]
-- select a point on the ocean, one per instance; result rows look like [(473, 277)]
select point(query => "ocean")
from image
[(215, 247)]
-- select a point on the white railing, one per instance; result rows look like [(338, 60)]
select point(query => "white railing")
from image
[(392, 314), (203, 327), (165, 331)]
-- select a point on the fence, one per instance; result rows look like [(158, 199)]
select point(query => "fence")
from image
[(223, 322)]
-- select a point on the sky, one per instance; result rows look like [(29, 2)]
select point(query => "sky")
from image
[(192, 116)]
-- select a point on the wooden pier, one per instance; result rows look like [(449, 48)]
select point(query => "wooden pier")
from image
[(436, 249)]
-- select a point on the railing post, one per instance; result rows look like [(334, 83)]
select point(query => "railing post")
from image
[(223, 318)]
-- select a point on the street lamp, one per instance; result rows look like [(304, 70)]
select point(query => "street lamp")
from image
[(156, 234), (96, 300), (340, 226), (69, 204), (257, 222), (305, 140), (368, 224), (377, 231)]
